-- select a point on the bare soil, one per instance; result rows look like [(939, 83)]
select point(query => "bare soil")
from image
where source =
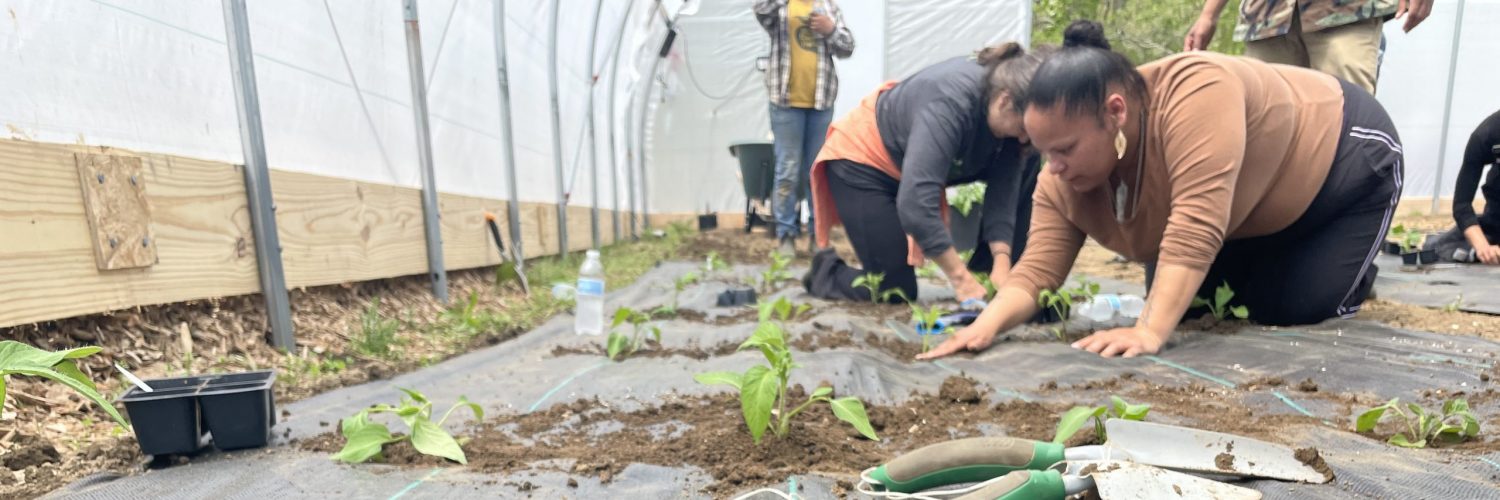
[(709, 432)]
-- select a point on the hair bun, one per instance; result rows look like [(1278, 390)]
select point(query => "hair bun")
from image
[(1085, 33)]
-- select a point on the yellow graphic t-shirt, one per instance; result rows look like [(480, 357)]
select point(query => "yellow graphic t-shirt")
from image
[(802, 83)]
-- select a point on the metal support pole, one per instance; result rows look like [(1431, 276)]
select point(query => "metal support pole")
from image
[(1458, 28), (509, 150), (430, 214), (614, 72), (258, 177), (557, 153), (630, 168), (593, 144), (641, 141)]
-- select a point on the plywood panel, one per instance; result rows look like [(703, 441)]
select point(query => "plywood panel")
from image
[(47, 266), (119, 216)]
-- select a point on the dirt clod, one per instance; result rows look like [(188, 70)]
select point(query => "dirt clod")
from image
[(29, 451), (1224, 461), (1307, 385), (1311, 457), (959, 390)]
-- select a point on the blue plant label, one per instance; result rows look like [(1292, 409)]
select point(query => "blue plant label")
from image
[(590, 287)]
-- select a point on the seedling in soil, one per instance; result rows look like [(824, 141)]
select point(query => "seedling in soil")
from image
[(678, 285), (462, 319), (777, 273), (619, 343), (365, 439), (763, 388), (376, 334), (1072, 421), (984, 281), (1409, 240), (21, 359), (714, 263), (871, 282), (926, 323), (1455, 424), (1061, 302), (1220, 306), (894, 293)]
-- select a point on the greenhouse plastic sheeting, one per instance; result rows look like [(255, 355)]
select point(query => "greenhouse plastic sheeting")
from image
[(522, 375)]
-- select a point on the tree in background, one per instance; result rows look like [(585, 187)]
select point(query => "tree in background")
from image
[(1142, 30)]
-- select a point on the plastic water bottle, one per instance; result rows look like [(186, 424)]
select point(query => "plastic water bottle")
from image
[(589, 318), (1106, 306)]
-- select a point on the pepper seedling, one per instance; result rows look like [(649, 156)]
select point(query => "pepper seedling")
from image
[(1410, 241), (763, 388), (1072, 421), (1424, 427), (678, 285), (365, 439), (925, 321), (777, 273), (619, 343), (871, 282), (1220, 306)]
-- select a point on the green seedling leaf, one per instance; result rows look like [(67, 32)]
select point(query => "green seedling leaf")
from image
[(851, 410), (616, 344), (1072, 421), (1400, 440), (463, 401), (1240, 312), (1367, 420), (822, 391), (712, 378), (415, 396), (621, 316), (758, 394), (1222, 294), (430, 439), (21, 359), (1455, 405), (363, 439), (1199, 302)]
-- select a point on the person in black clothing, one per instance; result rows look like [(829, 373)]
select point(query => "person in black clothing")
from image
[(1477, 237), (885, 166)]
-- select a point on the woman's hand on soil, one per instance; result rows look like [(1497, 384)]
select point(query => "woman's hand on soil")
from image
[(1488, 254), (967, 339), (1129, 342)]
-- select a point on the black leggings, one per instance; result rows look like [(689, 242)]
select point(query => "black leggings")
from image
[(1322, 265), (867, 205)]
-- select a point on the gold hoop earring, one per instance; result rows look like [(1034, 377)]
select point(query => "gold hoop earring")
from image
[(1120, 145)]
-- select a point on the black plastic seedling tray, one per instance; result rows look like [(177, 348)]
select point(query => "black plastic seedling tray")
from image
[(236, 409)]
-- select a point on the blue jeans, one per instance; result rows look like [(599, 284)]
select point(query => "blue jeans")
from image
[(799, 134)]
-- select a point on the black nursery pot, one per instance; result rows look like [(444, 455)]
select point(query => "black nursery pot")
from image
[(736, 298), (1409, 259), (1392, 248), (239, 409), (166, 420), (1427, 257), (236, 409), (708, 222)]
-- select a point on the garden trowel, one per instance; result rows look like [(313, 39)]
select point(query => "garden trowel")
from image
[(1113, 479), (1183, 449), (517, 270)]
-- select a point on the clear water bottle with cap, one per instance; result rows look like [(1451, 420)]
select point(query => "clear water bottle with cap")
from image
[(1108, 306), (589, 317)]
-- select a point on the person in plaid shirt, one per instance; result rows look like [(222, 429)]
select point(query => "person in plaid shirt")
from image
[(801, 82), (1338, 37)]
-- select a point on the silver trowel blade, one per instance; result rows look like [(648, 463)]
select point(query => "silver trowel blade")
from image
[(1132, 481), (1193, 450)]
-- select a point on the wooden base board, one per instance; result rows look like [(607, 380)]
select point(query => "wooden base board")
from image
[(331, 230)]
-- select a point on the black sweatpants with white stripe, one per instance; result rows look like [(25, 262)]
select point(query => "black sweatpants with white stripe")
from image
[(1322, 266)]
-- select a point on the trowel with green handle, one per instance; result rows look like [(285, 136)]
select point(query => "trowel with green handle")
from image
[(1179, 448), (1113, 479)]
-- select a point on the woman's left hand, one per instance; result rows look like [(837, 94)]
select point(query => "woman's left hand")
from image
[(1129, 342)]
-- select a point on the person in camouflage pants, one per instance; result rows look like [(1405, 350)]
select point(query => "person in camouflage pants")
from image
[(1338, 37)]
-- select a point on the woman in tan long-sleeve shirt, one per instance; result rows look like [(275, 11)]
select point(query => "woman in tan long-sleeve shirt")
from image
[(1280, 181)]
